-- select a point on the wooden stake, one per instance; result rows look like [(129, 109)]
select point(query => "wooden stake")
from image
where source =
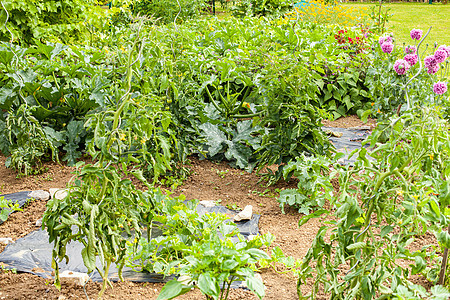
[(444, 264)]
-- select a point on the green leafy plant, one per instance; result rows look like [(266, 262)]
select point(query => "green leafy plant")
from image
[(201, 248), (403, 186), (35, 20), (167, 11), (313, 187), (6, 207), (29, 141), (104, 203), (260, 7), (239, 147)]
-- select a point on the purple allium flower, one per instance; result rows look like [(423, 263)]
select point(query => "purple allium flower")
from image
[(410, 50), (412, 59), (387, 47), (385, 39), (440, 56), (430, 61), (416, 34), (401, 66), (433, 69), (445, 48), (440, 87)]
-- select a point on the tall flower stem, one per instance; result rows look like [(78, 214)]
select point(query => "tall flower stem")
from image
[(408, 102)]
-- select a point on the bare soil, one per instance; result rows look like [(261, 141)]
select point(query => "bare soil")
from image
[(208, 181)]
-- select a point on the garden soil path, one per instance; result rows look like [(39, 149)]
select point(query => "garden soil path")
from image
[(208, 181)]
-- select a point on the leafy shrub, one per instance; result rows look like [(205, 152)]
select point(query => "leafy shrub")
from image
[(48, 20), (344, 72), (106, 205), (260, 7), (167, 10)]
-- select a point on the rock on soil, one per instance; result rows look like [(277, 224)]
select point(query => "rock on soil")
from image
[(39, 195), (245, 214)]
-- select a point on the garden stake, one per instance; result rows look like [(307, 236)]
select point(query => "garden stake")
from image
[(444, 264)]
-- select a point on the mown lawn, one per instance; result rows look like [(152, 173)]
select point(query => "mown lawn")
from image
[(406, 16)]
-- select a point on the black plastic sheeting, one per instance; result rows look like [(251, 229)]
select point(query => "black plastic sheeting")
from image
[(20, 198), (33, 253), (350, 140)]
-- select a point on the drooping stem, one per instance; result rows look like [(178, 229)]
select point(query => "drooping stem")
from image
[(212, 100), (105, 279), (120, 270)]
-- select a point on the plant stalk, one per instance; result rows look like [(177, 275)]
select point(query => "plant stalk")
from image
[(105, 280)]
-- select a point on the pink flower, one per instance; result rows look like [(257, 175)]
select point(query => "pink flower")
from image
[(385, 39), (416, 34), (445, 48), (412, 59), (430, 61), (440, 87), (433, 69), (387, 47), (410, 50), (440, 56), (401, 66)]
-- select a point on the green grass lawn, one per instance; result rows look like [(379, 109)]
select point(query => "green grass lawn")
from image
[(406, 16)]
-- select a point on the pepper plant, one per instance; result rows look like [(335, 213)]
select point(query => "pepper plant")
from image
[(205, 249)]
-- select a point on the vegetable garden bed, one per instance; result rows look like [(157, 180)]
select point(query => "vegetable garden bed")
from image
[(208, 181)]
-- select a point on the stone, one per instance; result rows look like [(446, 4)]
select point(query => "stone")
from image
[(53, 191), (245, 214), (61, 194), (38, 223), (74, 277), (208, 203), (6, 241), (39, 195)]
